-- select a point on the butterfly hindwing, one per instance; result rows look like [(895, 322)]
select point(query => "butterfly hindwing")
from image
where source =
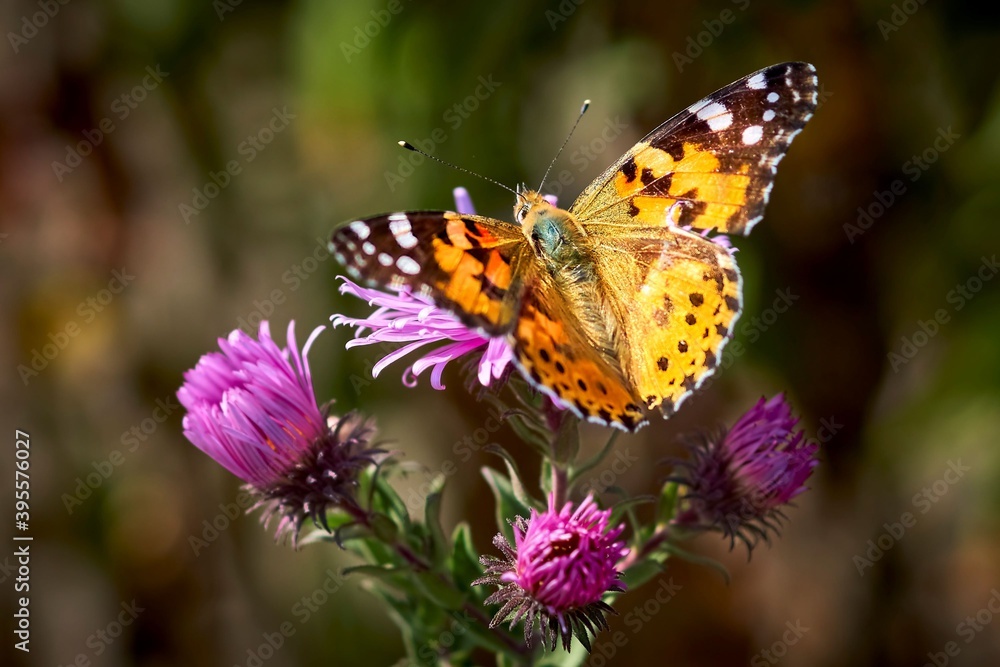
[(552, 352), (712, 165), (679, 296), (467, 264)]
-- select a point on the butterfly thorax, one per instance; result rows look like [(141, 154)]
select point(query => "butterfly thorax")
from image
[(565, 255)]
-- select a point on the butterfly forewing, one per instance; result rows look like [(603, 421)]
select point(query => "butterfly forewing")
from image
[(712, 165), (467, 264)]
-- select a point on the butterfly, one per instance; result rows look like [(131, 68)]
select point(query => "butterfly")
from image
[(619, 304)]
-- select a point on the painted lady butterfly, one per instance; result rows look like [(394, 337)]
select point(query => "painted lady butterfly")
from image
[(618, 303)]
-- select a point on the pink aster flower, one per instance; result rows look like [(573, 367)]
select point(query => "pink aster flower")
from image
[(738, 481), (251, 407), (413, 321), (561, 565)]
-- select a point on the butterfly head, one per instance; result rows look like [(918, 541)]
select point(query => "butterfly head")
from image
[(551, 231)]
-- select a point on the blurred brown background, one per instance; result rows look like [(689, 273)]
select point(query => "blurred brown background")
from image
[(127, 249)]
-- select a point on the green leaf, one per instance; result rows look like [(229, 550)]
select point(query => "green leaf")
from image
[(515, 475), (437, 542), (641, 572), (389, 502), (667, 506), (627, 506), (577, 655), (464, 562), (507, 504), (384, 528), (674, 550), (439, 591)]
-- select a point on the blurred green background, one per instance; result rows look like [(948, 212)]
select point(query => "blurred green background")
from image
[(118, 117)]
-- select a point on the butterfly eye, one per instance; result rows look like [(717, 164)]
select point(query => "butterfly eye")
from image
[(521, 212)]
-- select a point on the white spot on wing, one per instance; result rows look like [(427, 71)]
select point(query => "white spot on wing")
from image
[(407, 265), (756, 82), (716, 115), (385, 259), (361, 228), (399, 225), (752, 134), (769, 115), (368, 247), (772, 97)]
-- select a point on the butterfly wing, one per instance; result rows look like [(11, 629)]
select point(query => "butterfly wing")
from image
[(467, 264), (712, 165), (677, 297), (552, 352)]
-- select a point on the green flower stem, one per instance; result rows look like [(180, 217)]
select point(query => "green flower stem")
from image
[(515, 649), (559, 484)]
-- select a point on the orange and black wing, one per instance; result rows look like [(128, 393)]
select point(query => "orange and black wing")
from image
[(551, 351), (466, 264), (712, 165)]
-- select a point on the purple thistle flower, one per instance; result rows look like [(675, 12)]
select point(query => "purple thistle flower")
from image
[(413, 319), (251, 407), (561, 565), (738, 481)]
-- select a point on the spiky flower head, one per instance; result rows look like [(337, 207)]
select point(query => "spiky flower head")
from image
[(738, 481), (562, 563), (251, 407)]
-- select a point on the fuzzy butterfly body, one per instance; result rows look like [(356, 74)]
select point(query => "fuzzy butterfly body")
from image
[(619, 304)]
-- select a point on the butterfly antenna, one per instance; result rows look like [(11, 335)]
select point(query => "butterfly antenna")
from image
[(410, 147), (583, 110)]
